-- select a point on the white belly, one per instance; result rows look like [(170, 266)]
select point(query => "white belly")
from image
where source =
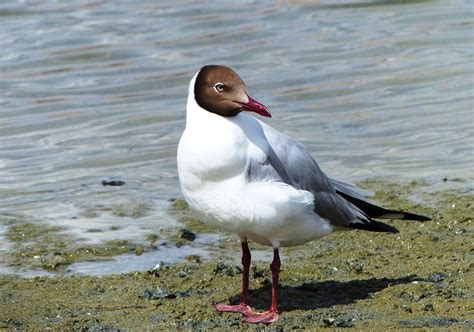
[(269, 213)]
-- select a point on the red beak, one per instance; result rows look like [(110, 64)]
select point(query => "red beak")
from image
[(254, 106)]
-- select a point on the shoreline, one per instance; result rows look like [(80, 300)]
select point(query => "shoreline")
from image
[(420, 277)]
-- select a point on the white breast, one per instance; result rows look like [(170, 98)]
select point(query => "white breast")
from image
[(214, 152)]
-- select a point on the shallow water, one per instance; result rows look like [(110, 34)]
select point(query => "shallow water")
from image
[(97, 90)]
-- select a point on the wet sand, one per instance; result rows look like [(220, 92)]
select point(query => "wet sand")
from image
[(421, 277)]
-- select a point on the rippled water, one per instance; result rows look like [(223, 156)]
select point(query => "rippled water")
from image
[(93, 90)]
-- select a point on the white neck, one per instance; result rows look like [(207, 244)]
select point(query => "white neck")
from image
[(195, 114)]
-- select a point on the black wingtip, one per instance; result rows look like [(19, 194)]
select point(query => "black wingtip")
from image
[(374, 211), (413, 216), (374, 226)]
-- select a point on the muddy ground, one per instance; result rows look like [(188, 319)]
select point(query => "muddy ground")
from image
[(421, 277)]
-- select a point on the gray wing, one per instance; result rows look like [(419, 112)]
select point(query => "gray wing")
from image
[(340, 203), (350, 189), (289, 162)]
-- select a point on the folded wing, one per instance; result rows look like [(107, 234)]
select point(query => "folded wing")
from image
[(338, 202)]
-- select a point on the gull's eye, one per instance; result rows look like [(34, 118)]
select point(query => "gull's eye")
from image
[(219, 87)]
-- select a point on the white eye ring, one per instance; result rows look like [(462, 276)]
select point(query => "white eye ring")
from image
[(219, 87)]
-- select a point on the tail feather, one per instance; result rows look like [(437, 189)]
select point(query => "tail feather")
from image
[(374, 211)]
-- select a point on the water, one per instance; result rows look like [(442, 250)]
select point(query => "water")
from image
[(94, 90)]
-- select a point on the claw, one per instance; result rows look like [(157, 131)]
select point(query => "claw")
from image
[(241, 308), (266, 317)]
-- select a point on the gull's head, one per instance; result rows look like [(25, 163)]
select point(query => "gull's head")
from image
[(220, 90)]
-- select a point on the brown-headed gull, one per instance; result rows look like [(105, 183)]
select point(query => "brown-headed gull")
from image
[(240, 175)]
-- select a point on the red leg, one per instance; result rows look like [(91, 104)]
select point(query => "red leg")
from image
[(271, 315), (243, 307)]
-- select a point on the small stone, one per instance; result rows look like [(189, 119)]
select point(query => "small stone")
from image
[(406, 308), (193, 258), (359, 268), (434, 238), (233, 321), (257, 272), (460, 231), (345, 322), (186, 234), (115, 183), (159, 293), (156, 270), (428, 307), (328, 322), (227, 270), (436, 277)]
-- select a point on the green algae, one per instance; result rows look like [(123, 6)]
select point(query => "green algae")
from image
[(419, 278), (94, 230), (35, 245), (181, 211), (27, 232), (152, 238), (183, 214), (39, 246), (133, 210), (130, 209), (89, 213)]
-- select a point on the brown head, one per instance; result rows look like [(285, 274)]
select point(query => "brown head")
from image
[(220, 90)]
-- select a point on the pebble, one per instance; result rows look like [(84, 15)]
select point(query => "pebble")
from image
[(115, 183), (187, 234), (227, 270), (436, 277), (159, 293)]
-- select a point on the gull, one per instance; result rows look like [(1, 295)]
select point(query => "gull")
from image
[(240, 175)]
